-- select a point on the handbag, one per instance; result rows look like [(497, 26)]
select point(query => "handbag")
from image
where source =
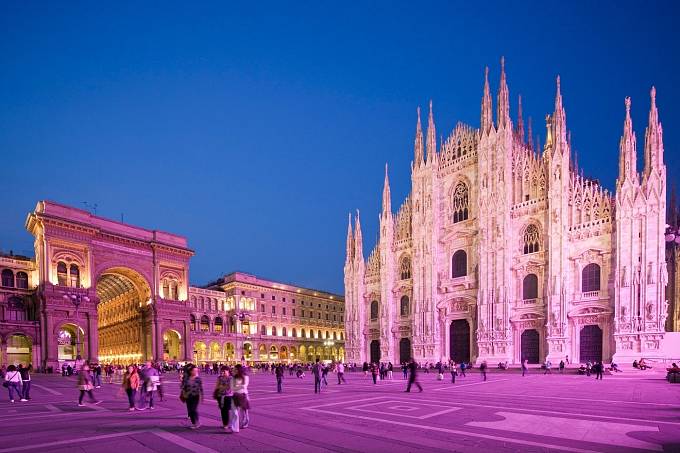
[(5, 384), (183, 396)]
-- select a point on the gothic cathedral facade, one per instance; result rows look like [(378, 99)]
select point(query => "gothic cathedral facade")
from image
[(503, 251)]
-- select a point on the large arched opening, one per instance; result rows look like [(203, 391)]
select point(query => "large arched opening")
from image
[(71, 342), (172, 345), (124, 321)]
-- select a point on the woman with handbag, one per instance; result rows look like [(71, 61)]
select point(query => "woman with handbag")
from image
[(131, 385), (85, 385), (192, 394), (241, 401), (13, 382), (224, 396)]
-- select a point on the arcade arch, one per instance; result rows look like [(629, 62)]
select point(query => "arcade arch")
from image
[(124, 316)]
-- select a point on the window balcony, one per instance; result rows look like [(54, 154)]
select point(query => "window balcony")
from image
[(589, 295)]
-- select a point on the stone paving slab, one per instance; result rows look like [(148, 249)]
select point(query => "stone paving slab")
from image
[(506, 413)]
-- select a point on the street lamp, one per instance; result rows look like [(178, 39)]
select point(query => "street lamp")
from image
[(241, 316), (76, 299)]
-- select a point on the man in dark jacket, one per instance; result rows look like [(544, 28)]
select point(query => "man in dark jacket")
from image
[(412, 377), (316, 371)]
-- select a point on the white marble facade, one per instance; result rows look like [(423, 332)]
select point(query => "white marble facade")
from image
[(503, 250)]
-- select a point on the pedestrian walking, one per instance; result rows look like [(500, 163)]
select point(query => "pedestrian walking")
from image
[(454, 371), (25, 372), (85, 385), (241, 400), (341, 372), (324, 374), (390, 369), (525, 366), (224, 395), (316, 371), (374, 372), (365, 369), (279, 378), (192, 395), (463, 365), (13, 382), (561, 366), (413, 378), (404, 370), (150, 381), (589, 367), (599, 370), (482, 369)]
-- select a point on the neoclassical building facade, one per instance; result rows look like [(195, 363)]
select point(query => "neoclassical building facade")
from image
[(116, 293), (504, 251)]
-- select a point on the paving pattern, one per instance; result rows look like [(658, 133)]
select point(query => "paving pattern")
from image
[(627, 412)]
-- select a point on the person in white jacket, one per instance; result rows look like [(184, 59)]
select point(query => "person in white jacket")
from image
[(14, 382), (241, 400)]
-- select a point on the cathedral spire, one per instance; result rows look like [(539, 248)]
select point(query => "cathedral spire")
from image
[(350, 241), (487, 117), (653, 139), (520, 120), (559, 121), (387, 202), (503, 116), (358, 240), (530, 137), (627, 150), (418, 145), (431, 136)]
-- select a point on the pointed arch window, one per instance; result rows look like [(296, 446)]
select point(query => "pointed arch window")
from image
[(459, 264), (374, 310), (532, 238), (8, 278), (590, 278), (62, 274), (460, 202), (405, 268), (404, 306), (530, 287), (74, 273)]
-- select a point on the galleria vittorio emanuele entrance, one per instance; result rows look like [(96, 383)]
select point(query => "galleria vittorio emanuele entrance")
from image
[(123, 313)]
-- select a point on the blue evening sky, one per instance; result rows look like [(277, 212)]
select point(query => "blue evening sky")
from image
[(254, 129)]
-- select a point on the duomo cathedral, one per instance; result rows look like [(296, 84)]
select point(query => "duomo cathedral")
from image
[(504, 251)]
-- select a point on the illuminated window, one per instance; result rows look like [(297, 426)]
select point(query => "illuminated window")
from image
[(205, 323), (218, 324), (62, 274), (75, 276)]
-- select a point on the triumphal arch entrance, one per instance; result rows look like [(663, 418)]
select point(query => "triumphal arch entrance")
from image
[(108, 291)]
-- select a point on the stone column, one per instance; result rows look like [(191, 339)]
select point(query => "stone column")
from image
[(3, 352), (51, 349), (187, 353), (92, 337)]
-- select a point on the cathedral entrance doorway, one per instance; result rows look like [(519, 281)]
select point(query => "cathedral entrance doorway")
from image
[(124, 316), (404, 350), (591, 344), (530, 346), (375, 351), (459, 341)]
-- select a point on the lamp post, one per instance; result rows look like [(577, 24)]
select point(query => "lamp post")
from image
[(76, 299), (240, 316)]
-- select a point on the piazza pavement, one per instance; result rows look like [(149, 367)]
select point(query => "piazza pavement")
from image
[(630, 411)]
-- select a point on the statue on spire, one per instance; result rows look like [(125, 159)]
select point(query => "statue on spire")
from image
[(487, 116), (653, 139), (431, 136), (503, 115), (418, 148)]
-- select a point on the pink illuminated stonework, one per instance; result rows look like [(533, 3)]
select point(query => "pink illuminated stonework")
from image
[(504, 251)]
